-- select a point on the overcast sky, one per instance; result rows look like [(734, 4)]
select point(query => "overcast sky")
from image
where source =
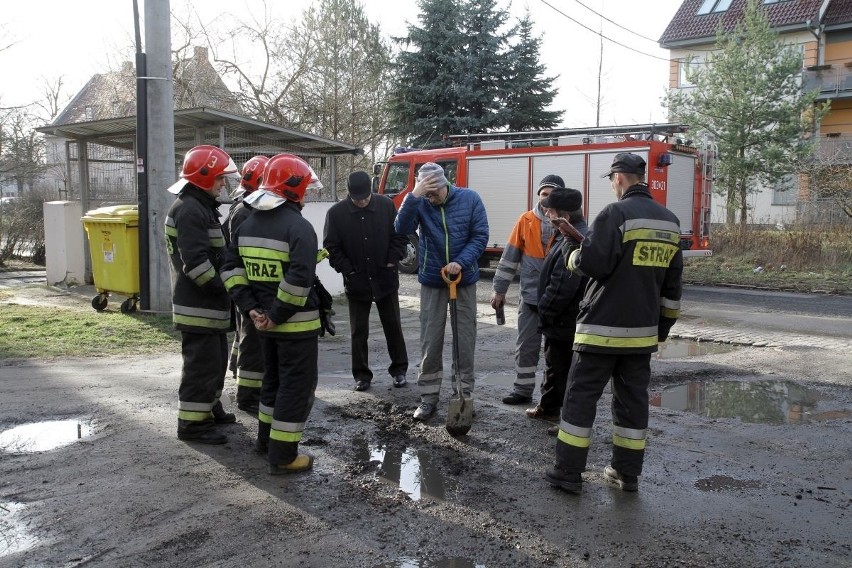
[(78, 39)]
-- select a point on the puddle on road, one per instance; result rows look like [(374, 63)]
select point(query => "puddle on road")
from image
[(685, 348), (405, 562), (44, 436), (407, 468), (726, 483), (756, 402), (13, 536)]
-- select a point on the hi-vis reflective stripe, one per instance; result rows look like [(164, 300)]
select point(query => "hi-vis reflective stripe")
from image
[(669, 308), (235, 277), (194, 411), (628, 438), (605, 336), (574, 435), (171, 229), (264, 413), (286, 431), (251, 379), (201, 317), (650, 229), (203, 273), (266, 248), (217, 238), (301, 321), (292, 294), (322, 254)]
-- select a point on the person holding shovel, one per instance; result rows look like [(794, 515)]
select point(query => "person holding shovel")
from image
[(453, 230)]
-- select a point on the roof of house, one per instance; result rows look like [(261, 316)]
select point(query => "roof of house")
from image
[(687, 27), (839, 13), (113, 94)]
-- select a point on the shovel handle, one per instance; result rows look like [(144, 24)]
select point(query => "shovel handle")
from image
[(451, 281)]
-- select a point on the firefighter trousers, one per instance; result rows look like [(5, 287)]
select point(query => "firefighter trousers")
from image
[(359, 322), (589, 374), (249, 362), (205, 362), (557, 364), (527, 350), (287, 395)]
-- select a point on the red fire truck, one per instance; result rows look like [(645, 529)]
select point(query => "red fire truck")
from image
[(505, 168)]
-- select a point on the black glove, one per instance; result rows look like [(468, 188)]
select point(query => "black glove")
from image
[(326, 323)]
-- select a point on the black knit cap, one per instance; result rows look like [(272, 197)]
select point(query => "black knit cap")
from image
[(563, 199), (359, 185), (551, 180)]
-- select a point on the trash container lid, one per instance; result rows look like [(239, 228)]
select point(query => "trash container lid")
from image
[(123, 213)]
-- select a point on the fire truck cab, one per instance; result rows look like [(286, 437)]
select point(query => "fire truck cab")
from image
[(505, 168)]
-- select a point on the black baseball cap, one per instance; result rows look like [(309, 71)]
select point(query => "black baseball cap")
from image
[(626, 163)]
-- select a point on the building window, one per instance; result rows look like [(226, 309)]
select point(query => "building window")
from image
[(785, 191), (686, 70), (773, 1), (710, 6)]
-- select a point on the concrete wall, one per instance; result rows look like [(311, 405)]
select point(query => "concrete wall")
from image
[(63, 240)]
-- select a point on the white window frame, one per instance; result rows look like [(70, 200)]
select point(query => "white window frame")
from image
[(785, 191)]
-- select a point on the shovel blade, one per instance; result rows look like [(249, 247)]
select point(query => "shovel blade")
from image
[(459, 416)]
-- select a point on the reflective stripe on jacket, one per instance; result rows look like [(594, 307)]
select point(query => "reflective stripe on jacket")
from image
[(271, 266), (525, 250), (196, 247)]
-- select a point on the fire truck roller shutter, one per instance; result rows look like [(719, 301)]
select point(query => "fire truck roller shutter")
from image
[(501, 183), (680, 190)]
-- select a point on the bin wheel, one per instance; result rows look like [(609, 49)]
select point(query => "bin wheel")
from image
[(99, 302), (128, 306)]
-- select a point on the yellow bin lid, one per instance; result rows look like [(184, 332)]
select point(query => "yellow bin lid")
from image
[(114, 214)]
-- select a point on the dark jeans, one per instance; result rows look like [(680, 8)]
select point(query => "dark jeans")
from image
[(359, 322), (557, 364)]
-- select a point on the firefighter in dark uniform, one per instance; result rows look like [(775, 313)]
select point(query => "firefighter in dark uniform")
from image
[(270, 273), (201, 307), (248, 365), (632, 255)]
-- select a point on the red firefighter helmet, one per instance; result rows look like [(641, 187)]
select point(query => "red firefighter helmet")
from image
[(287, 176), (203, 164), (253, 173)]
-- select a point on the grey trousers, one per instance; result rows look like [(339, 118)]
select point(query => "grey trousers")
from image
[(434, 304), (527, 350)]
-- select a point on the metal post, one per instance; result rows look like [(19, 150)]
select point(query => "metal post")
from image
[(141, 165)]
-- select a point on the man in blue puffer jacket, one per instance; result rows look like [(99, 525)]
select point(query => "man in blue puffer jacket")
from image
[(453, 231)]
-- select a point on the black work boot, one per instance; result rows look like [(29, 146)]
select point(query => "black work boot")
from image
[(572, 482), (210, 436), (220, 416)]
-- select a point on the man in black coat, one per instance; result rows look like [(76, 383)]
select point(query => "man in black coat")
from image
[(559, 295), (365, 249)]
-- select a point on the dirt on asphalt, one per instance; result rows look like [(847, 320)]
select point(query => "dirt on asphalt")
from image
[(748, 463)]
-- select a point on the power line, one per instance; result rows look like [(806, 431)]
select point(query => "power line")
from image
[(616, 24), (603, 36)]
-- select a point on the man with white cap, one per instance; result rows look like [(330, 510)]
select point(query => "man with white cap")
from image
[(453, 232)]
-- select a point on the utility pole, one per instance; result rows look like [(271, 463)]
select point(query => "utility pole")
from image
[(161, 148), (142, 163)]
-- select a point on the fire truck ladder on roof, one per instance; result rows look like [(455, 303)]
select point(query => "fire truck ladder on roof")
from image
[(663, 132)]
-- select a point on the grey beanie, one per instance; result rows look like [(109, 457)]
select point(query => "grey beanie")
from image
[(432, 169)]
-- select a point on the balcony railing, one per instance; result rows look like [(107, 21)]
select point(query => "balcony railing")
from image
[(831, 81), (835, 149)]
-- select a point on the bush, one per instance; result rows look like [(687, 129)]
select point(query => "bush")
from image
[(22, 228)]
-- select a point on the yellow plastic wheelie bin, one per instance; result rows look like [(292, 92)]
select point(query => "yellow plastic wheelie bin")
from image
[(113, 234)]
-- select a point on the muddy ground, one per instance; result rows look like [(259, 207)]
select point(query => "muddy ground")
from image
[(748, 460)]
